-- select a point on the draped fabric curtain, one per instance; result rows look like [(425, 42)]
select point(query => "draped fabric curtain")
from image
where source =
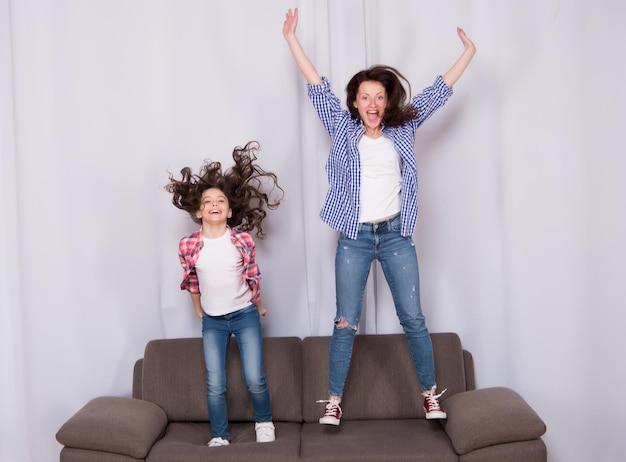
[(522, 214)]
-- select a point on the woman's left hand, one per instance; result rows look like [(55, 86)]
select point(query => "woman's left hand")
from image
[(469, 45)]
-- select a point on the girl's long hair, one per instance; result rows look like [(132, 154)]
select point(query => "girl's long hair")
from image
[(246, 185)]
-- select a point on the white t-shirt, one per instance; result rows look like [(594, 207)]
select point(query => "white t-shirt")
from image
[(222, 286), (381, 179)]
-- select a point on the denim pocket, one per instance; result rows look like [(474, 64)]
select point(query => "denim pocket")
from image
[(395, 224)]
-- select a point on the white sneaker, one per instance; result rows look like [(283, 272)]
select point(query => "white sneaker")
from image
[(217, 441), (265, 432)]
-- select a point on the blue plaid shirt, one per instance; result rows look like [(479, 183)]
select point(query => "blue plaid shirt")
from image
[(342, 206)]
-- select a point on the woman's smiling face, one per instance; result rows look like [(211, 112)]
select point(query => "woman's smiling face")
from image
[(371, 101)]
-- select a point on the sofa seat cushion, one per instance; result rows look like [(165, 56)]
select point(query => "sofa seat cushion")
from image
[(377, 441), (187, 442), (123, 426), (84, 455), (490, 416), (521, 451)]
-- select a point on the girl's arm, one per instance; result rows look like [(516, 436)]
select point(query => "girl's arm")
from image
[(260, 307), (195, 299), (461, 64), (302, 60)]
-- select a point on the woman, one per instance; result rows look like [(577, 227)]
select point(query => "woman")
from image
[(372, 202)]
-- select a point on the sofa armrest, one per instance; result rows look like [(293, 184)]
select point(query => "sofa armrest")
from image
[(118, 425), (489, 416)]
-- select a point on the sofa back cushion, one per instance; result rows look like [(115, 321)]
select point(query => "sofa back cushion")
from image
[(382, 382), (174, 378)]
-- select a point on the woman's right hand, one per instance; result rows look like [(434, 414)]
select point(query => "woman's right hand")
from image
[(302, 60)]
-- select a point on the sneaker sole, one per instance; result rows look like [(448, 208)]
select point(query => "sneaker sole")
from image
[(218, 445), (329, 421), (436, 415)]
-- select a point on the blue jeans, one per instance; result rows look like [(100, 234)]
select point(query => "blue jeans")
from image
[(353, 260), (245, 325)]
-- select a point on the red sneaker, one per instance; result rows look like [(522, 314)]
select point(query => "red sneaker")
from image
[(432, 408), (332, 413)]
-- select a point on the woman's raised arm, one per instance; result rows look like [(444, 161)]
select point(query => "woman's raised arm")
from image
[(302, 60), (461, 64)]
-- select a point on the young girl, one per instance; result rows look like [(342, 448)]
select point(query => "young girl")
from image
[(223, 278), (372, 202)]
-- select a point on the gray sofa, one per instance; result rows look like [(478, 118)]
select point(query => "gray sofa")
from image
[(166, 419)]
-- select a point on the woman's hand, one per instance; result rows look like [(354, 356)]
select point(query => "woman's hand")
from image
[(457, 69), (467, 43), (290, 24), (302, 60)]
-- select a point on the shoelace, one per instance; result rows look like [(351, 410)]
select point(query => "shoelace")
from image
[(264, 431), (330, 406), (432, 399)]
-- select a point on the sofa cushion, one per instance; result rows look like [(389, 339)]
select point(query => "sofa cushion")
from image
[(85, 455), (382, 382), (186, 442), (377, 441), (521, 451), (116, 425), (174, 378), (490, 416)]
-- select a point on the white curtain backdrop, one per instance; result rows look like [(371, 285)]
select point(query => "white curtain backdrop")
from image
[(522, 212)]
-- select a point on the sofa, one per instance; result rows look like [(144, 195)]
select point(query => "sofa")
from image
[(166, 419)]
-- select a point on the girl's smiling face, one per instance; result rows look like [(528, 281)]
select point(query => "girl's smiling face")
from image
[(214, 207), (371, 101)]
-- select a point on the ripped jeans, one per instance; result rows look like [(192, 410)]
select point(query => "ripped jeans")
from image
[(398, 259)]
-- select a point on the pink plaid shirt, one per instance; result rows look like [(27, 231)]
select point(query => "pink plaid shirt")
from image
[(189, 251)]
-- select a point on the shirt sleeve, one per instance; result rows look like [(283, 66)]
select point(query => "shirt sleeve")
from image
[(430, 99), (190, 278), (326, 104)]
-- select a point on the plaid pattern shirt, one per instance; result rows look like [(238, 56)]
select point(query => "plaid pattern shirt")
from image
[(189, 250), (341, 208)]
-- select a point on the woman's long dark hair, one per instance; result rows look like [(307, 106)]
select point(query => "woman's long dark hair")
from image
[(398, 110), (243, 184)]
